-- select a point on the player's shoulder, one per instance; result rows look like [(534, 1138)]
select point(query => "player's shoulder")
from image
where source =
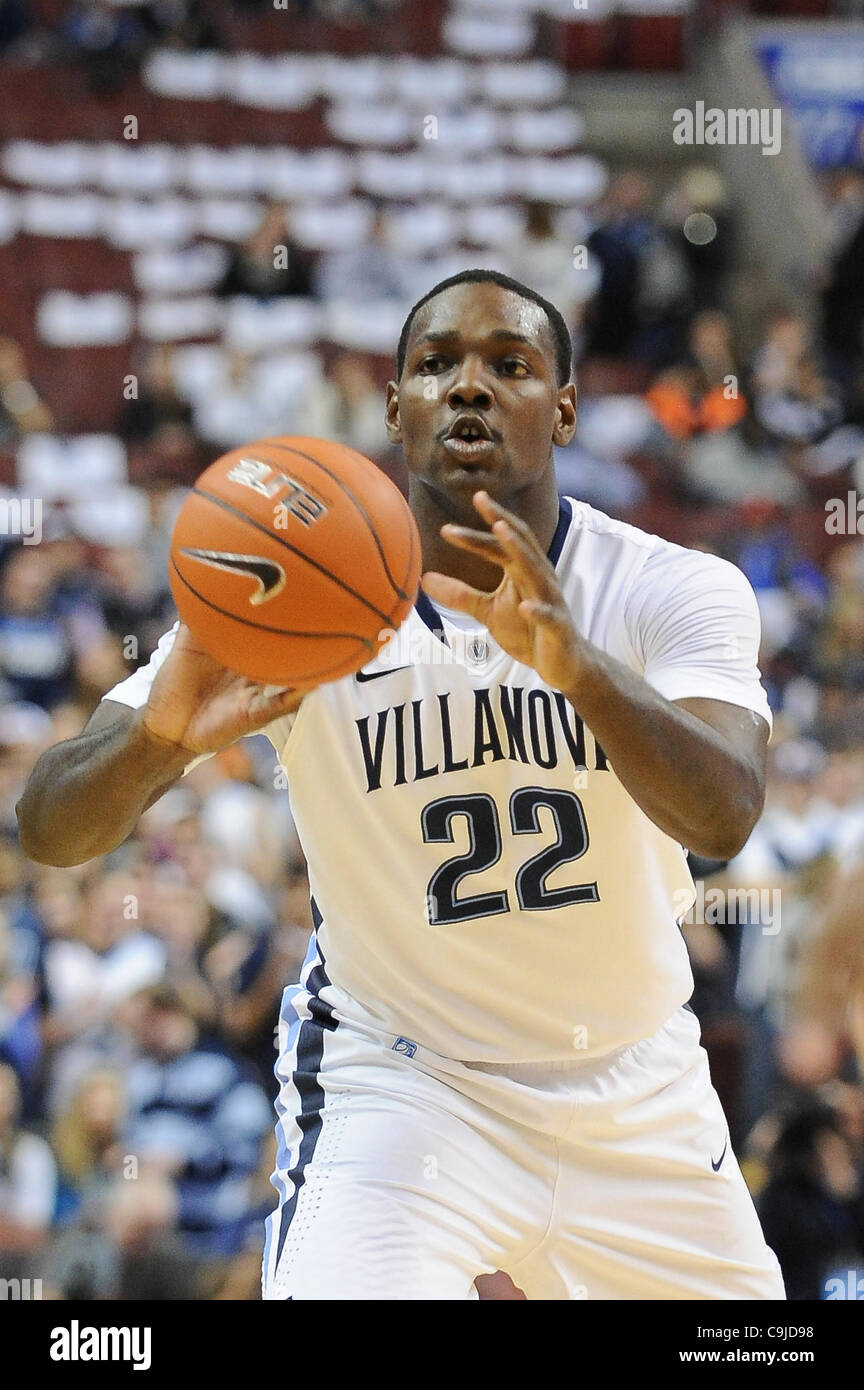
[(652, 556), (621, 535)]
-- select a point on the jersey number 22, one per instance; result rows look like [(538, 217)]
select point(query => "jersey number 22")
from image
[(484, 827)]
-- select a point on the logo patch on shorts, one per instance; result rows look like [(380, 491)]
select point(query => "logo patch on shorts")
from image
[(404, 1045)]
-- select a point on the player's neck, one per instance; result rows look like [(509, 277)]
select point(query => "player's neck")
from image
[(537, 506)]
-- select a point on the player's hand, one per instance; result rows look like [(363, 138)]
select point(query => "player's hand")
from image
[(199, 705), (526, 614)]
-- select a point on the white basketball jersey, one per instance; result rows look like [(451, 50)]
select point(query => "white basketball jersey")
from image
[(483, 884)]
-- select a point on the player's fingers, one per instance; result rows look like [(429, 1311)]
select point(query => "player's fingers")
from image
[(441, 588), (478, 542), (492, 511), (529, 570), (266, 707)]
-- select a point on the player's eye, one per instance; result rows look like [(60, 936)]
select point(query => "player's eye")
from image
[(431, 364), (514, 366)]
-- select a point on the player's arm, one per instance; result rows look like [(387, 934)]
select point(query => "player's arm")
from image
[(84, 796), (695, 766)]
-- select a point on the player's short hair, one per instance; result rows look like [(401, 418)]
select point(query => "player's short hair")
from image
[(560, 332)]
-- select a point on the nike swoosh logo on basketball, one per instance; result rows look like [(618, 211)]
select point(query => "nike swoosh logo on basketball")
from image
[(269, 576), (716, 1165), (376, 675)]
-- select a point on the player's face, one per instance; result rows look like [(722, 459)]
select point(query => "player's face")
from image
[(478, 404)]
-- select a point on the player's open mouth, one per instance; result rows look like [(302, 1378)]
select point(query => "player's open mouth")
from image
[(469, 450), (469, 438)]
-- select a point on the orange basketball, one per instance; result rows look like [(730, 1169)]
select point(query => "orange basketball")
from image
[(293, 559)]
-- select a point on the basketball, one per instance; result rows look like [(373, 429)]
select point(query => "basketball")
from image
[(293, 560)]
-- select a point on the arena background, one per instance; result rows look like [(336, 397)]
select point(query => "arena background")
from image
[(213, 217)]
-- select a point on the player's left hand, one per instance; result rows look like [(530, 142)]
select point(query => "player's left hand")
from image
[(526, 614)]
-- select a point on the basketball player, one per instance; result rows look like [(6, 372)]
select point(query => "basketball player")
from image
[(489, 1062)]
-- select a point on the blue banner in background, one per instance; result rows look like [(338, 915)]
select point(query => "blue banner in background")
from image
[(819, 78)]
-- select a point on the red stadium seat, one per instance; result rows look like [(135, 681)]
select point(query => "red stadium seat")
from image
[(588, 43), (652, 42)]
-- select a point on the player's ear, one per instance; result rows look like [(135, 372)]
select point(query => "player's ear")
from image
[(565, 417), (391, 414)]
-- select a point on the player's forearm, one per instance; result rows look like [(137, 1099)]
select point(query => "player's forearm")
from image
[(682, 773), (84, 796)]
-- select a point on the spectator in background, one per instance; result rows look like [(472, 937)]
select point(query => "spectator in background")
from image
[(710, 348), (186, 24), (96, 961), (239, 821), (701, 394), (625, 229), (77, 603), (97, 956), (811, 1208), (838, 649), (25, 730), (250, 968), (154, 1261), (158, 407), (198, 1116), (363, 274), (846, 1101), (270, 263), (791, 399), (136, 599), (348, 406), (826, 1022), (86, 1139), (106, 40), (696, 217), (793, 830), (165, 499), (700, 407), (76, 581), (841, 803), (790, 589), (28, 1183), (20, 1031), (782, 878), (20, 975), (16, 19), (21, 409), (644, 299), (249, 972), (762, 545), (36, 649), (184, 921), (125, 1247), (543, 259), (843, 295)]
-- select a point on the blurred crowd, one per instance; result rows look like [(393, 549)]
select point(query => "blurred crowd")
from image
[(107, 39), (139, 993)]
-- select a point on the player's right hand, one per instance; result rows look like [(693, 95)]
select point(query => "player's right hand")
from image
[(199, 706)]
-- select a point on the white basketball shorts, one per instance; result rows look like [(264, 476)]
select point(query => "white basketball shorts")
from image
[(404, 1175)]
